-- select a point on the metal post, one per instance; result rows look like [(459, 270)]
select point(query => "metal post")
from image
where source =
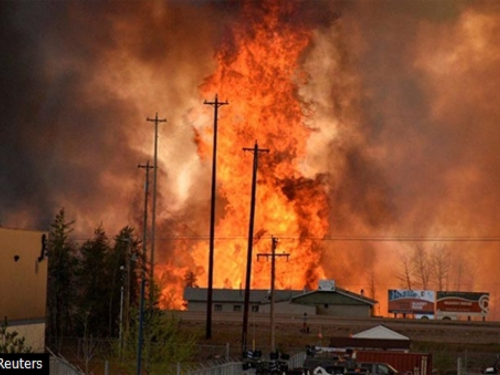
[(120, 338), (141, 325), (127, 296)]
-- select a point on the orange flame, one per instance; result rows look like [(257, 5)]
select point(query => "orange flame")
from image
[(259, 72)]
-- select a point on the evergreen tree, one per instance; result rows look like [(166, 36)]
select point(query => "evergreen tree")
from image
[(61, 288), (94, 283), (124, 262)]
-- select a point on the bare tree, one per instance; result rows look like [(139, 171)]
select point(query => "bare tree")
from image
[(469, 274), (373, 290), (190, 279), (463, 271), (421, 265), (405, 275), (458, 273), (440, 264), (88, 344)]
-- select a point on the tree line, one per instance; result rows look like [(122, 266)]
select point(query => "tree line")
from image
[(435, 268), (93, 292), (84, 286)]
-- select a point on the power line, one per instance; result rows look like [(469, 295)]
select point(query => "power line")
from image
[(361, 239), (340, 238)]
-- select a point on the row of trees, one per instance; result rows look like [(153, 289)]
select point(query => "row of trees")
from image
[(421, 266), (93, 292), (435, 268), (85, 281)]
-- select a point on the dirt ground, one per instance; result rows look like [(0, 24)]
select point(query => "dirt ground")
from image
[(288, 330)]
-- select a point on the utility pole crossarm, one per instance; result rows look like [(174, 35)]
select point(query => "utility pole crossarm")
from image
[(256, 149), (156, 120), (216, 104), (268, 255)]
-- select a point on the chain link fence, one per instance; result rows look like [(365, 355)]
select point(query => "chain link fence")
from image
[(98, 356), (102, 356)]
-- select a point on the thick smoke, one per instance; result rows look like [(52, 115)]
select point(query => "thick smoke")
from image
[(79, 81), (403, 97), (416, 155)]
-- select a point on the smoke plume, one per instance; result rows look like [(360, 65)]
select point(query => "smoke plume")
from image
[(395, 103)]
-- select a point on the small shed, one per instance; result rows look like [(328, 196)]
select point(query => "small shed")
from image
[(380, 332), (379, 337)]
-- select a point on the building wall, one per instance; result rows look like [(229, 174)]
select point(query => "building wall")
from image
[(289, 308), (218, 306), (23, 283), (344, 310), (279, 307)]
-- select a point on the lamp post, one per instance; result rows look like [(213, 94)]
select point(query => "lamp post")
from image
[(120, 335), (125, 295)]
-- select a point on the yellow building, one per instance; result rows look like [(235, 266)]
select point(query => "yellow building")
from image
[(23, 284)]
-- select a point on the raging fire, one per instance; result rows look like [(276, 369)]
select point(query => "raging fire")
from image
[(259, 73), (402, 98)]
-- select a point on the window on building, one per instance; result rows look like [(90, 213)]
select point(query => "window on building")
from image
[(237, 308), (217, 307), (255, 308)]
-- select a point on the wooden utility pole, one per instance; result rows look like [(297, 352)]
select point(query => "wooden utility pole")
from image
[(156, 121), (216, 104), (255, 151), (273, 256), (147, 167)]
